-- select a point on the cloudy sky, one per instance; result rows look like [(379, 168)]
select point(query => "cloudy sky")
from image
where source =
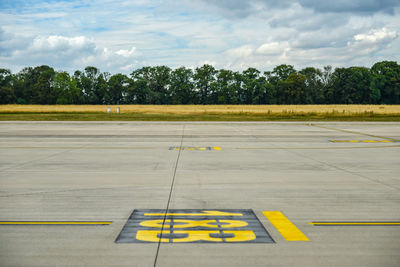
[(120, 35)]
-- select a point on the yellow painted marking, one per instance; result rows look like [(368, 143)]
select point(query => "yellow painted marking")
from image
[(216, 148), (240, 236), (287, 229), (354, 223), (191, 223), (233, 223), (354, 132), (196, 236), (203, 148), (151, 235), (361, 141), (52, 223), (204, 213), (156, 223), (317, 148)]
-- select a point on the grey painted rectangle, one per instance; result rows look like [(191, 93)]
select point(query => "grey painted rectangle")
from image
[(194, 226)]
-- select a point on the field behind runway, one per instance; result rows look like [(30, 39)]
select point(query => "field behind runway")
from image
[(251, 193), (200, 112)]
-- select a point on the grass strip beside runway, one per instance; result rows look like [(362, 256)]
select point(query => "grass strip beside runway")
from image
[(201, 112)]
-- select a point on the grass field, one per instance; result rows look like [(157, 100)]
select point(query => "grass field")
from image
[(202, 112)]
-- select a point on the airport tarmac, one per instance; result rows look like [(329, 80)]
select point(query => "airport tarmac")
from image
[(199, 194)]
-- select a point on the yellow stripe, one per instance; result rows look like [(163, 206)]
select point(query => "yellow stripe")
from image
[(361, 141), (354, 223), (287, 229), (217, 148), (203, 213), (56, 223)]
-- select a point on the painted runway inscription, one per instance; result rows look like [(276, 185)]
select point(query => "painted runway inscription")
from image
[(193, 226), (206, 148)]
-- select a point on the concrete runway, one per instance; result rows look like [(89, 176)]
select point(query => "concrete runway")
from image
[(102, 171)]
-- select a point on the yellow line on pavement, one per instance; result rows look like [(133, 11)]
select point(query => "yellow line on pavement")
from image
[(354, 132), (354, 223), (287, 229), (217, 148), (52, 223), (316, 148), (203, 213)]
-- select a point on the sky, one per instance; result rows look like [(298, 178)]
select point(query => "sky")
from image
[(120, 36)]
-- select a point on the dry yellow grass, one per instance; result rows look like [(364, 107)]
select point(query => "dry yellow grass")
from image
[(201, 109)]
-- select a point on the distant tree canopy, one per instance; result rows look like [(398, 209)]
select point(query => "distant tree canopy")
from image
[(204, 85)]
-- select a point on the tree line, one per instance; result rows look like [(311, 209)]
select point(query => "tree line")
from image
[(204, 85)]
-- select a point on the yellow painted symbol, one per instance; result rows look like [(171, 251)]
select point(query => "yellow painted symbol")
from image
[(240, 236), (197, 236), (217, 148), (151, 235), (287, 229), (191, 223), (204, 213), (194, 235), (156, 223), (233, 223)]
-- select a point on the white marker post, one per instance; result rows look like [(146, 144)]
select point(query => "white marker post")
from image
[(117, 110), (108, 110)]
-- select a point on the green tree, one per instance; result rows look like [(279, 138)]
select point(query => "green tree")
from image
[(117, 89), (359, 84), (182, 87), (225, 88), (351, 86), (204, 78), (314, 90), (26, 87), (283, 71), (294, 88), (386, 82), (150, 85), (44, 92), (7, 95), (251, 90), (67, 89), (93, 84)]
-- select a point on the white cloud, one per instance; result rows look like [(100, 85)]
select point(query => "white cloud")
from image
[(127, 53), (273, 48), (241, 52), (121, 35), (71, 52), (374, 36)]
